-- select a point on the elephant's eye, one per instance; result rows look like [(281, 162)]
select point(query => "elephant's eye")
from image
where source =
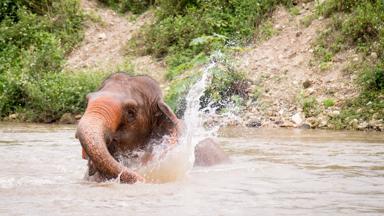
[(131, 115)]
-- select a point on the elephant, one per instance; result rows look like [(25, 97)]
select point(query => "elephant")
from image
[(126, 114), (209, 153)]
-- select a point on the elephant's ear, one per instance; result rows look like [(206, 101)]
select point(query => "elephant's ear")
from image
[(167, 122), (166, 110)]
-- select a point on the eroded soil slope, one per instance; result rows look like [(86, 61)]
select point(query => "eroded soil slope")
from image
[(285, 80), (106, 36)]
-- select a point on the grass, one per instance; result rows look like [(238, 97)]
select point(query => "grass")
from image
[(95, 18), (307, 20), (265, 31), (328, 102), (294, 11), (358, 25)]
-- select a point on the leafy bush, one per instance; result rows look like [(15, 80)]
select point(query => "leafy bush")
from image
[(310, 106), (373, 79), (135, 6), (361, 25), (59, 93), (333, 6), (179, 23), (37, 43), (227, 85), (35, 36)]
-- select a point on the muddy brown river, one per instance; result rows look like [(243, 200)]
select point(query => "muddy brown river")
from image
[(273, 172)]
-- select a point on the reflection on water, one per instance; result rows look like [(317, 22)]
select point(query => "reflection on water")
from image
[(274, 172)]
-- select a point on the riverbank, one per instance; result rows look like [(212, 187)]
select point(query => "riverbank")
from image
[(291, 89), (292, 64)]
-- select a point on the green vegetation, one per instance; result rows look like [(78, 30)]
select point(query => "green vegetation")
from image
[(294, 11), (47, 99), (369, 105), (310, 106), (357, 24), (178, 89), (134, 6), (178, 70), (35, 36), (265, 31), (185, 32), (184, 29), (227, 86), (329, 102)]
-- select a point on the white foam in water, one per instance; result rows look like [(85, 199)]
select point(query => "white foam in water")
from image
[(12, 182), (178, 161)]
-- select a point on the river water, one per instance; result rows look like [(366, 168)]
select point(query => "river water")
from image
[(273, 172)]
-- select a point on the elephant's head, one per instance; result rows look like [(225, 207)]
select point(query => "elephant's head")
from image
[(126, 110)]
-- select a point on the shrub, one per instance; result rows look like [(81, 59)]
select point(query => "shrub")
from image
[(59, 93), (135, 6), (360, 26), (310, 106), (48, 98), (179, 23), (226, 85), (37, 43), (373, 79), (178, 70), (35, 36)]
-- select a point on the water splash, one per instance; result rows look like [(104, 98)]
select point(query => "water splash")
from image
[(179, 160)]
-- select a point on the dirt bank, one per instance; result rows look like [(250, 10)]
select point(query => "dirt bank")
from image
[(291, 90), (104, 44)]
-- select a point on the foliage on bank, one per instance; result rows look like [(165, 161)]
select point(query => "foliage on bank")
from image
[(184, 29), (227, 85), (186, 32), (134, 6), (35, 37), (358, 24)]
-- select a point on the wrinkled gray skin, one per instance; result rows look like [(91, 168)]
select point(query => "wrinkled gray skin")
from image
[(126, 114)]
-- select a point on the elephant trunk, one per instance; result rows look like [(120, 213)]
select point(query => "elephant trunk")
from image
[(100, 120)]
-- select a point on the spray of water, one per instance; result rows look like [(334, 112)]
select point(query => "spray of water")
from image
[(179, 160), (173, 163)]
